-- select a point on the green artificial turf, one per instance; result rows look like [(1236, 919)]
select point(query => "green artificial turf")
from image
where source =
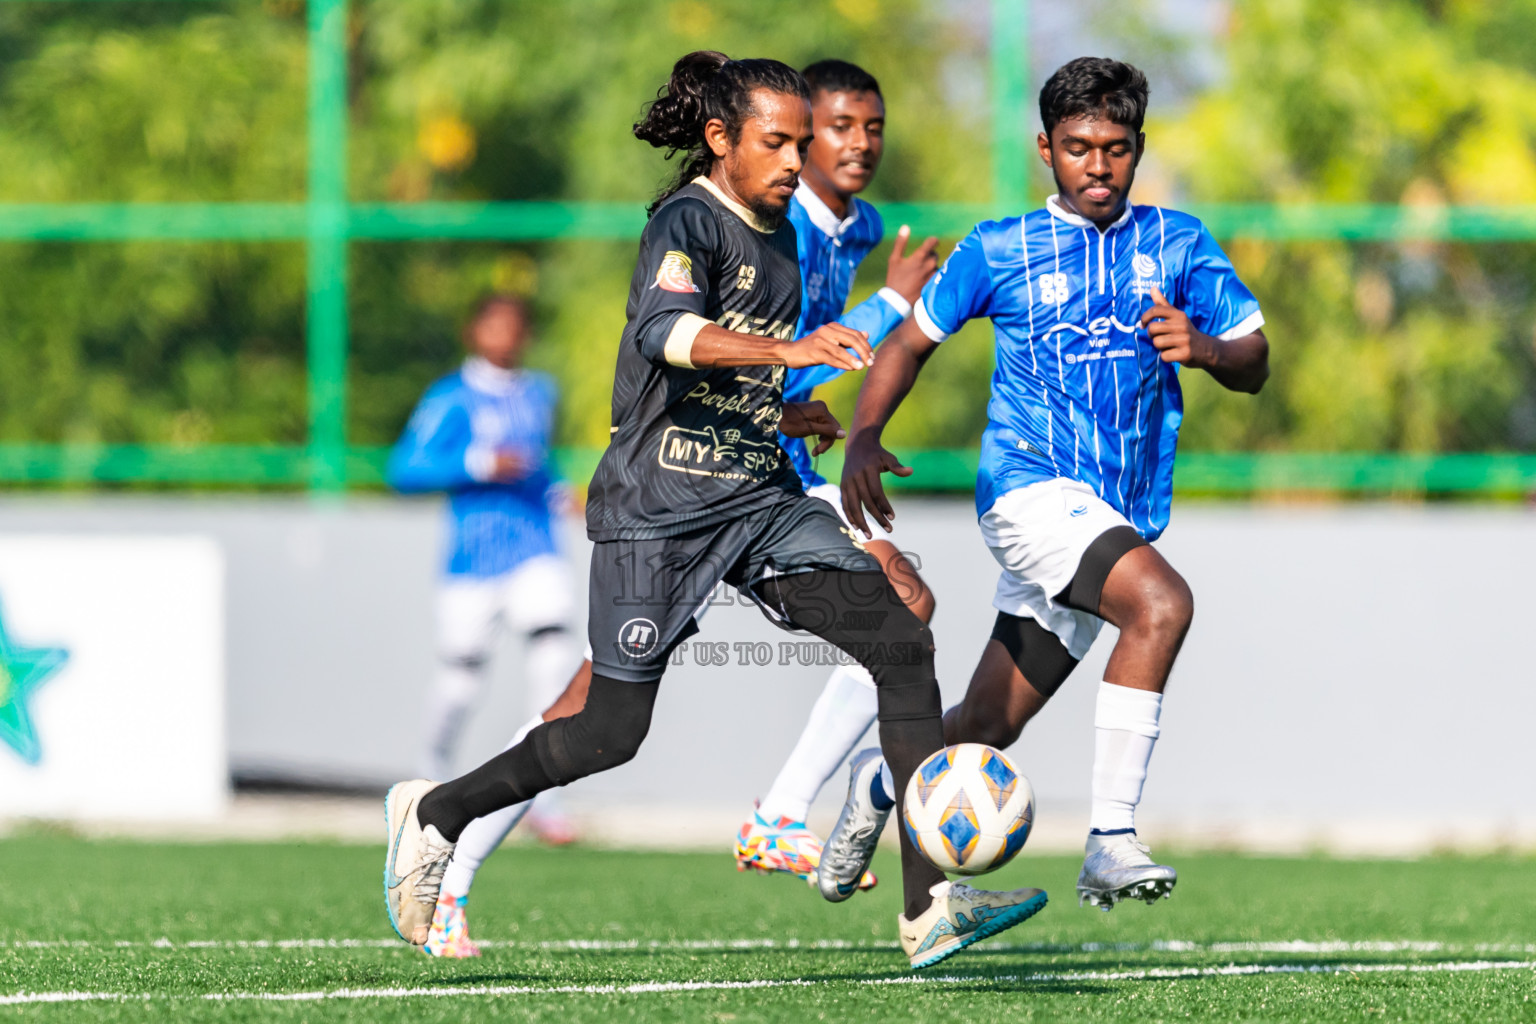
[(158, 928)]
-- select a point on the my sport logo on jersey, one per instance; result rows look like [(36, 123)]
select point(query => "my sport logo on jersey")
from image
[(676, 273), (718, 453)]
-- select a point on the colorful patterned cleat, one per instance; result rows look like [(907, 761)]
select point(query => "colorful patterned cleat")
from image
[(449, 936), (961, 916), (783, 845)]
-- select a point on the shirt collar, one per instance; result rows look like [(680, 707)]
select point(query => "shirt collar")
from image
[(485, 376), (1053, 204), (757, 223), (821, 214)]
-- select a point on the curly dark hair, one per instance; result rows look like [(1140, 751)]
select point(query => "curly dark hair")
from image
[(1095, 87), (706, 85)]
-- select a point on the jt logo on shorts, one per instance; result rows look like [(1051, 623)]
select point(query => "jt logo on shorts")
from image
[(637, 638)]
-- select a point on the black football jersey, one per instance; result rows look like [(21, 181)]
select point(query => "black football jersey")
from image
[(690, 448)]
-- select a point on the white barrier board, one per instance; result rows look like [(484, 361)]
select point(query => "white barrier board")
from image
[(112, 677)]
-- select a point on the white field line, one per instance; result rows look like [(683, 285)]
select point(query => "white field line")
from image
[(1153, 973), (694, 945)]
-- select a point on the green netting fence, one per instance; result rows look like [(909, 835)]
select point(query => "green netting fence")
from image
[(327, 223)]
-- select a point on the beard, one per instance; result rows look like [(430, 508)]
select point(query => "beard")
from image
[(773, 216)]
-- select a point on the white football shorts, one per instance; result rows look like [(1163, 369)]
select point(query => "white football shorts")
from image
[(536, 594), (1038, 534)]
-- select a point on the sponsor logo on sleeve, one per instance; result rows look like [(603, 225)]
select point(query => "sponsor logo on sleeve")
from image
[(676, 273)]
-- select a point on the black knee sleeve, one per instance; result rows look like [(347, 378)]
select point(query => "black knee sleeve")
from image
[(1087, 584), (606, 733), (904, 683), (1039, 654)]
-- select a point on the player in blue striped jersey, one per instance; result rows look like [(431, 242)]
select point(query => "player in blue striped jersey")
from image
[(1096, 303), (482, 435)]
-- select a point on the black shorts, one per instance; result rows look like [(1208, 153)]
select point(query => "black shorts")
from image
[(644, 593)]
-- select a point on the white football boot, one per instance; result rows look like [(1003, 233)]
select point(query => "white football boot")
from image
[(414, 860), (1119, 867), (961, 916), (846, 854)]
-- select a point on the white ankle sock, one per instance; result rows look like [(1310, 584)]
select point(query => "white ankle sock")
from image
[(842, 713), (481, 836), (1125, 730)]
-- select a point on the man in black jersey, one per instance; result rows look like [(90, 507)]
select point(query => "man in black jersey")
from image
[(694, 490)]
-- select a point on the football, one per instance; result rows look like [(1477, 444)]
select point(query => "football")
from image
[(968, 809)]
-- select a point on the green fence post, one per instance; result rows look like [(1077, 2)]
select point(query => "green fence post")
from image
[(326, 239), (1010, 106)]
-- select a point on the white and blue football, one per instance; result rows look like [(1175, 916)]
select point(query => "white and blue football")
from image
[(968, 809)]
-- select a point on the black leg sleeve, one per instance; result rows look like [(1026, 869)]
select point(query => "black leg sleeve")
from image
[(861, 613), (604, 734)]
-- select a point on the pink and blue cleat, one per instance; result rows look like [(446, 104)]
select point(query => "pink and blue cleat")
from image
[(449, 935), (783, 845)]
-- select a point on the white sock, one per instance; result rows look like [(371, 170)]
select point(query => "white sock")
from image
[(454, 690), (481, 836), (1125, 730), (841, 716)]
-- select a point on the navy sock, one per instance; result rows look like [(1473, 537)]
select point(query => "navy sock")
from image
[(877, 794)]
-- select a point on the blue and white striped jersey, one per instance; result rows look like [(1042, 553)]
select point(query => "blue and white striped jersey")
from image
[(450, 445), (1079, 390), (830, 254)]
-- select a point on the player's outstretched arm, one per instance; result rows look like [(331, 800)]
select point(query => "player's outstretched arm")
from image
[(885, 386), (830, 345), (1238, 364)]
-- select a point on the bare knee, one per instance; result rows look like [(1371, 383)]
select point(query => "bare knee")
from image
[(1165, 608)]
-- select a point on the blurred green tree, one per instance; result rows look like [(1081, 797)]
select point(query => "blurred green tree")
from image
[(1413, 346)]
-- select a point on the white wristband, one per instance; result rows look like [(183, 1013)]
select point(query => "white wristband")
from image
[(679, 348), (893, 298)]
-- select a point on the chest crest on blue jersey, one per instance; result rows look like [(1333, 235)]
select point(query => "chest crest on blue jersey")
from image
[(1144, 268), (813, 285)]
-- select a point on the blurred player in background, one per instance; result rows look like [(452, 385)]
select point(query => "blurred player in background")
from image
[(482, 435), (834, 231), (1095, 304), (695, 487)]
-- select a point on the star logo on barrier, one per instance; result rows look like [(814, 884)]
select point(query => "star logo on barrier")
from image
[(22, 671)]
